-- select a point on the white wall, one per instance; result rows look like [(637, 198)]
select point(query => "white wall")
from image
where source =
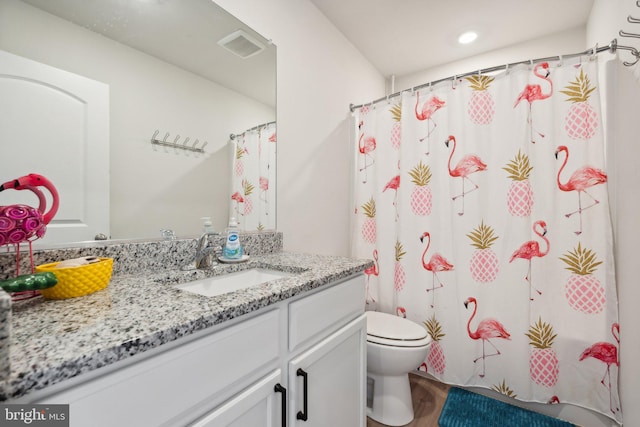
[(150, 188), (319, 74)]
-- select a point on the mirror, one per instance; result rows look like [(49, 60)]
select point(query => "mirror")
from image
[(168, 79)]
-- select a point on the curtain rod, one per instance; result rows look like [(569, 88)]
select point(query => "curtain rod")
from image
[(233, 136), (612, 47)]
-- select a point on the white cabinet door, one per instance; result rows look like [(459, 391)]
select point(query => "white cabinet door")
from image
[(260, 405), (59, 122), (335, 374)]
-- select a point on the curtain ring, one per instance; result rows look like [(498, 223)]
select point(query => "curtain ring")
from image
[(453, 82), (506, 69), (595, 51), (560, 61)]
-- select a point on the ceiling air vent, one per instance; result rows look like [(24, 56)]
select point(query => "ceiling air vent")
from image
[(241, 44)]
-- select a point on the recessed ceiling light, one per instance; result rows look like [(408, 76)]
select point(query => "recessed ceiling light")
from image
[(468, 37)]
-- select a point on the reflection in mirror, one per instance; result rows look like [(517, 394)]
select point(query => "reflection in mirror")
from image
[(253, 178), (99, 81)]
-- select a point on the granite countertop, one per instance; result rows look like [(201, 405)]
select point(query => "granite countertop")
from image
[(53, 340)]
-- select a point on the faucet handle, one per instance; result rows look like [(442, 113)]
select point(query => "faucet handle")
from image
[(217, 251), (168, 234)]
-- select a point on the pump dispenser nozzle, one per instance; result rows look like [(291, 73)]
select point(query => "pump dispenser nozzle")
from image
[(207, 226)]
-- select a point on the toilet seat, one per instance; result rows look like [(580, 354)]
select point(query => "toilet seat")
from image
[(387, 329)]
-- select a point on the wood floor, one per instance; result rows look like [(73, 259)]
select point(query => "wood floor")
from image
[(428, 398)]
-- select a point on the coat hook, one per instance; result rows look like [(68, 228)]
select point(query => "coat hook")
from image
[(176, 144), (204, 145), (626, 34)]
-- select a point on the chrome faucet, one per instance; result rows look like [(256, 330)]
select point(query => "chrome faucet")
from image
[(205, 252)]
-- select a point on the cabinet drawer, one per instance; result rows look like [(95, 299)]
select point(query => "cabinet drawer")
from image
[(325, 311), (176, 383), (255, 407)]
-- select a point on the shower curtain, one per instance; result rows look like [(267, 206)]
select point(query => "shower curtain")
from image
[(253, 201), (483, 202)]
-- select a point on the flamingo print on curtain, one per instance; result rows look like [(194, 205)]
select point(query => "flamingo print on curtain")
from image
[(253, 178), (483, 202)]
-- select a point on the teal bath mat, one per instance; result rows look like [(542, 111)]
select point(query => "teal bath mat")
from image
[(466, 409)]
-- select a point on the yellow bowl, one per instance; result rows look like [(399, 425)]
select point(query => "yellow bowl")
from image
[(77, 281)]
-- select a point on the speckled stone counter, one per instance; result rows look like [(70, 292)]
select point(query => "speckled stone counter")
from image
[(55, 340), (5, 334)]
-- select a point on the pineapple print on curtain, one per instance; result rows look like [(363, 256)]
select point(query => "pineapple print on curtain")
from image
[(483, 203), (253, 179)]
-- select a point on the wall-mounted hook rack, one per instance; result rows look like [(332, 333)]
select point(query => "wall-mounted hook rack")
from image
[(176, 144), (631, 20)]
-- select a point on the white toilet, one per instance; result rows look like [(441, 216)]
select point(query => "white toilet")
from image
[(395, 346)]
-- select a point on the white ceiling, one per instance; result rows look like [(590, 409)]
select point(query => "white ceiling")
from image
[(401, 37)]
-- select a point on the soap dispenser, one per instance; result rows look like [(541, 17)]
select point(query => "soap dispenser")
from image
[(232, 247)]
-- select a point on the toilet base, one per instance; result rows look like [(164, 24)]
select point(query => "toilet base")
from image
[(392, 403)]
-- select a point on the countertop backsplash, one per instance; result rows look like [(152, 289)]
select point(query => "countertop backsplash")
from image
[(133, 256)]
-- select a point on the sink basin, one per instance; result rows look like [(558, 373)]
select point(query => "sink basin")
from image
[(218, 285)]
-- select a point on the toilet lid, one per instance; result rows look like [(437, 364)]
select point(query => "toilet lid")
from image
[(387, 329)]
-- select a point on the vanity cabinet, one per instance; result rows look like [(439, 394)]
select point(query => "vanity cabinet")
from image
[(327, 383), (302, 356), (327, 376), (177, 385)]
